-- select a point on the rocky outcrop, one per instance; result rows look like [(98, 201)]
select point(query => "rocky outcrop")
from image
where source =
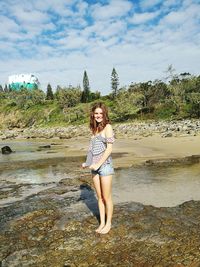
[(57, 228), (47, 133), (165, 129), (174, 161), (6, 150)]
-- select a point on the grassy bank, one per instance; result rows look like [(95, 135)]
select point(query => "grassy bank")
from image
[(50, 114)]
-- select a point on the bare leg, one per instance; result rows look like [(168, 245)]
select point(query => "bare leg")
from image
[(101, 203), (106, 187)]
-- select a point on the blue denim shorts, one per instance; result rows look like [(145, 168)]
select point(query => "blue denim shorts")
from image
[(104, 170)]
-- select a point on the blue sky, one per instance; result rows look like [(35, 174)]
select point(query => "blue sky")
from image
[(58, 39)]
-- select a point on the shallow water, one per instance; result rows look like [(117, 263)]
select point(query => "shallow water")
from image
[(24, 182), (157, 186), (31, 149)]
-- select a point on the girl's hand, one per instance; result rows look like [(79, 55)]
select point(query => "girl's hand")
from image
[(94, 167), (83, 165)]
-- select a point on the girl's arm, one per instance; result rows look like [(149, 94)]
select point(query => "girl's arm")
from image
[(108, 151)]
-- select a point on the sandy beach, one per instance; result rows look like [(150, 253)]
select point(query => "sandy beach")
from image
[(131, 151)]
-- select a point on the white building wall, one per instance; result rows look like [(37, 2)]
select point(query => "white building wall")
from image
[(20, 78)]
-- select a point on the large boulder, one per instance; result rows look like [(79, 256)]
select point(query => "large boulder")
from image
[(6, 150)]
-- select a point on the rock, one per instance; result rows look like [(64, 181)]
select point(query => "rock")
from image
[(174, 161), (6, 150), (56, 227), (68, 264), (55, 144), (45, 146), (3, 137), (166, 135), (165, 128)]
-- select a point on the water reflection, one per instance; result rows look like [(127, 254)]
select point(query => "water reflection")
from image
[(35, 175), (158, 186)]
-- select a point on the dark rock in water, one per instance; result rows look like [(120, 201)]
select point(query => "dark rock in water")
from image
[(174, 161), (6, 150), (55, 144), (45, 146)]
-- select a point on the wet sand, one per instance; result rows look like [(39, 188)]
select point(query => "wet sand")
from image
[(131, 151), (140, 149), (127, 151)]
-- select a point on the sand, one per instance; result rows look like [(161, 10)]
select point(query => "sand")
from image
[(127, 151), (135, 150)]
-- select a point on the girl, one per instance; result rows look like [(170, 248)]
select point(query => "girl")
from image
[(100, 163)]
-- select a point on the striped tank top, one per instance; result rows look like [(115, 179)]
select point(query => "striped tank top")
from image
[(97, 146)]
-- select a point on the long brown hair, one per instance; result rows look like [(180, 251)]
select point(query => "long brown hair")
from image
[(98, 127)]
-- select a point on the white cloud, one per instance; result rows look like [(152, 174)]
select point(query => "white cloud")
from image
[(8, 25), (72, 42), (113, 29), (29, 16), (171, 3), (145, 4), (63, 38), (133, 64), (116, 8), (82, 8), (107, 29), (188, 12), (61, 7), (181, 25), (175, 18), (143, 17)]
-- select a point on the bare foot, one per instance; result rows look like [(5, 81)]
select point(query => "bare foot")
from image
[(105, 229), (101, 226)]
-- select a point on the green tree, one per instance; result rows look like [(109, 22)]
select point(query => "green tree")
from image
[(86, 89), (74, 114), (49, 94), (1, 88), (95, 96), (193, 101), (127, 104), (68, 97), (159, 92), (10, 88), (114, 82), (6, 88), (170, 73), (145, 89), (26, 98), (58, 88)]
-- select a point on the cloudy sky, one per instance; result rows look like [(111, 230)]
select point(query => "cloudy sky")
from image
[(58, 39)]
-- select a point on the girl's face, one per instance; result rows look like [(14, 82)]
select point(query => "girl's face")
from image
[(98, 115)]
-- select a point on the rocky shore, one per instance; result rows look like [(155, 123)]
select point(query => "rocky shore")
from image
[(56, 228), (164, 128)]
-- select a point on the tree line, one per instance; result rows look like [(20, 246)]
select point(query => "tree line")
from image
[(175, 96), (68, 96)]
